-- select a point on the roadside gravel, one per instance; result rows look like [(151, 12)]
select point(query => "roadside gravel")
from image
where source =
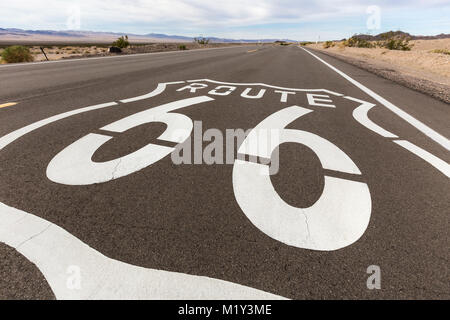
[(419, 81)]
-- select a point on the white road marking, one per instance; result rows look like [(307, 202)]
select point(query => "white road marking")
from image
[(360, 115), (11, 137), (159, 89), (399, 112), (246, 94), (267, 86), (320, 100), (439, 164), (333, 222), (338, 219), (74, 165), (5, 140), (53, 250), (193, 87), (284, 95), (217, 92)]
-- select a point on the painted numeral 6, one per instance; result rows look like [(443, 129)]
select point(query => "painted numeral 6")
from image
[(340, 216), (74, 165)]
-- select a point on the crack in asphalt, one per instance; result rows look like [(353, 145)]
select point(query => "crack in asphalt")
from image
[(307, 225), (33, 236), (115, 169)]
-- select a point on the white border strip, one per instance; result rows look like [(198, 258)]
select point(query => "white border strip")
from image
[(399, 112)]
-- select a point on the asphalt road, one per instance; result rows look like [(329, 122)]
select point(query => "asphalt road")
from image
[(93, 210)]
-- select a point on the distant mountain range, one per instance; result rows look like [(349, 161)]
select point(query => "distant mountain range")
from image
[(401, 34), (13, 35), (19, 35)]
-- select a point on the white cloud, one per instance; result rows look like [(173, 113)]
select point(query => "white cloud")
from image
[(191, 16)]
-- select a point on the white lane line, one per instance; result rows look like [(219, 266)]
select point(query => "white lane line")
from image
[(439, 164), (399, 112), (56, 253), (5, 140), (116, 57), (266, 85), (360, 115), (159, 89)]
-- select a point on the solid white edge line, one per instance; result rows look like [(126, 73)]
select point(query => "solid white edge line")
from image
[(399, 112), (439, 164)]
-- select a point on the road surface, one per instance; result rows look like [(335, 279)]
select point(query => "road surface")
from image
[(117, 179)]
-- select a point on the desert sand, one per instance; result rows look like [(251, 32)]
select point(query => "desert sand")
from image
[(57, 52), (420, 62)]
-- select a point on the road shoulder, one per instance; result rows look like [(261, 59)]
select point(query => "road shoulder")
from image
[(434, 89)]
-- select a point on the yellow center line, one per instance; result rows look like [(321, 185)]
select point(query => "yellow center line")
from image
[(252, 50), (9, 104)]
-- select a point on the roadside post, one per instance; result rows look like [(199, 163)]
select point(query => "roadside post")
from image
[(42, 49)]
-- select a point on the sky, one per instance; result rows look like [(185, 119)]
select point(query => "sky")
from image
[(237, 19)]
